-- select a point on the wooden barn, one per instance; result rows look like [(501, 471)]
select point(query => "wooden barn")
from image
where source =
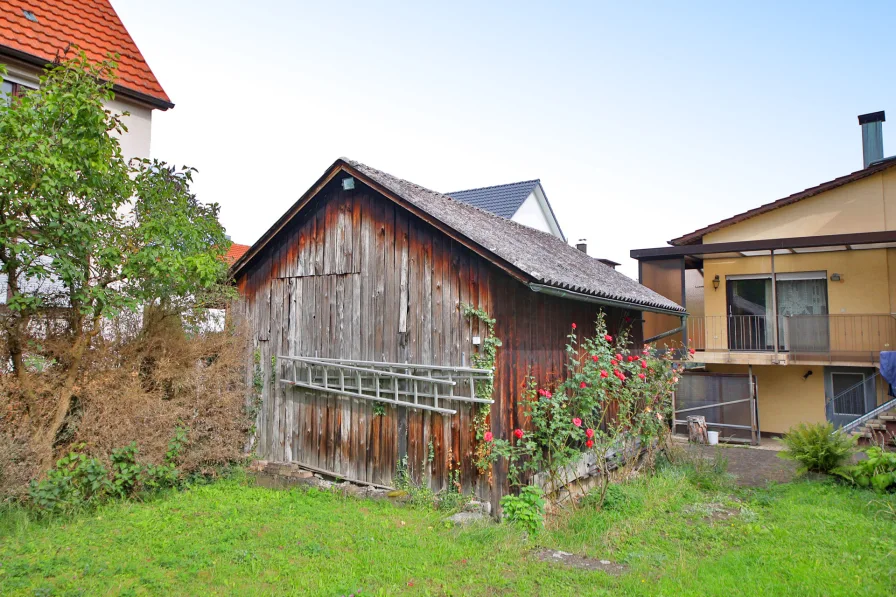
[(362, 350)]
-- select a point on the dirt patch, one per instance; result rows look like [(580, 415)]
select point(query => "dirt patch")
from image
[(581, 562), (751, 467), (713, 512)]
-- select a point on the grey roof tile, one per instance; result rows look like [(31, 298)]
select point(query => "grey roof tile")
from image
[(546, 258), (502, 200)]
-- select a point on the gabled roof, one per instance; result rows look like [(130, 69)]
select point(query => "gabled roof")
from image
[(530, 255), (91, 25), (505, 199), (235, 252), (696, 237), (502, 200)]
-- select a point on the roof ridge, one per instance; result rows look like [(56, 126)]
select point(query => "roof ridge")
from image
[(497, 186), (534, 257), (807, 193), (94, 26), (466, 205)]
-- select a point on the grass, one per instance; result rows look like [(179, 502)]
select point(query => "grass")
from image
[(804, 538)]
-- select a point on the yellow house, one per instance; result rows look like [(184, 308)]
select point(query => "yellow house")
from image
[(789, 304)]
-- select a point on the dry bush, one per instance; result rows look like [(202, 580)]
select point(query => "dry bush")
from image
[(134, 385), (18, 464)]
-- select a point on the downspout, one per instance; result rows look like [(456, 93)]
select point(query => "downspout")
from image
[(685, 341), (672, 332), (774, 307)]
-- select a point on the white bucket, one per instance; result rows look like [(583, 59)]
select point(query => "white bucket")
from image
[(713, 437)]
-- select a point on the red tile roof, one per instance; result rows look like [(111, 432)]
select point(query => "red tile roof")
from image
[(92, 25), (235, 252)]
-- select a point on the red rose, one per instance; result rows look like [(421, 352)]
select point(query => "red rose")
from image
[(540, 392), (547, 394), (518, 433), (608, 338), (641, 375), (577, 422), (589, 433), (643, 364), (604, 374), (691, 350), (622, 377), (594, 358), (619, 357), (573, 326), (583, 385), (589, 443), (613, 362), (488, 436)]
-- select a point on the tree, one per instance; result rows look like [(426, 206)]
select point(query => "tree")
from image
[(85, 233)]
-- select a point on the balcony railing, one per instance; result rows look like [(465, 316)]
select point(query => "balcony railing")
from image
[(837, 337)]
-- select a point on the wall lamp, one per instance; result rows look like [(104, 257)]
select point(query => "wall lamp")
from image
[(716, 282), (806, 376), (836, 277)]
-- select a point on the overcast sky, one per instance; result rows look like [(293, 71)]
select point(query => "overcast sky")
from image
[(642, 121)]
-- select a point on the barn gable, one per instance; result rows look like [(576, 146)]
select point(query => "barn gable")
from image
[(530, 255)]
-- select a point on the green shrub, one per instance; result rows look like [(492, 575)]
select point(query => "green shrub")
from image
[(877, 470), (451, 499), (817, 447), (75, 481), (614, 499), (526, 509), (78, 481), (125, 470)]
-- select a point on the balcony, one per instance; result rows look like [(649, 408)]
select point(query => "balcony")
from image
[(828, 339)]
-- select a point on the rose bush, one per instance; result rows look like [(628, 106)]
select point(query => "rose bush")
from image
[(618, 416)]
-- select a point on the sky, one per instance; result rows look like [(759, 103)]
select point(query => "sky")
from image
[(644, 121)]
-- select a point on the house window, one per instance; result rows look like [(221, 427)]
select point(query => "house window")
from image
[(802, 306), (9, 89), (849, 394), (750, 312)]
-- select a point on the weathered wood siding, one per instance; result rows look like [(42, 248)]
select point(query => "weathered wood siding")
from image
[(356, 276)]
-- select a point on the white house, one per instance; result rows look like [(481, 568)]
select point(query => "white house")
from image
[(523, 202), (33, 37)]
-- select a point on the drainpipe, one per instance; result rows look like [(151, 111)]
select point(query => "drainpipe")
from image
[(755, 436), (774, 308)]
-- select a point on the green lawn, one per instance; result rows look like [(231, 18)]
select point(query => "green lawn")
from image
[(230, 538)]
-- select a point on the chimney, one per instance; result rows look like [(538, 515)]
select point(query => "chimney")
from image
[(872, 137), (582, 245)]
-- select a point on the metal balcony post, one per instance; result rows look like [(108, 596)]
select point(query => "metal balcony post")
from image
[(774, 306)]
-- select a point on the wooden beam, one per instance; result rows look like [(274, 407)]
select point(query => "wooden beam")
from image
[(771, 244)]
